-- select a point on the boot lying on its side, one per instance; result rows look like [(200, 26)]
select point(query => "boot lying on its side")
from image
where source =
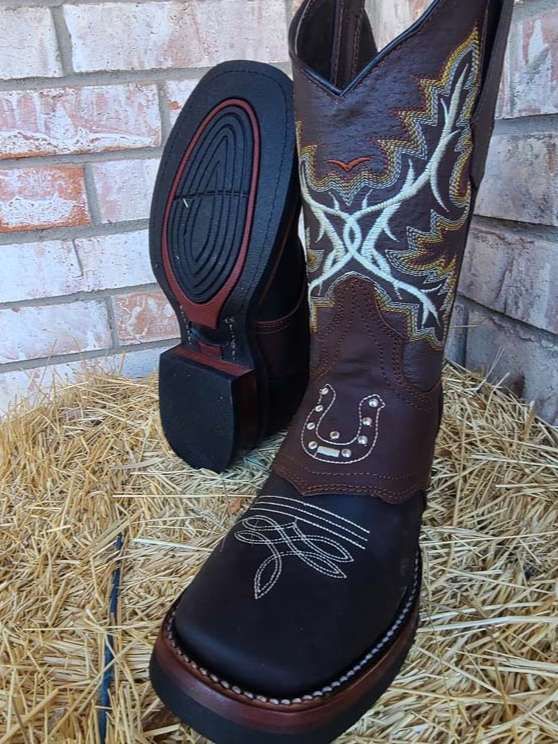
[(306, 611)]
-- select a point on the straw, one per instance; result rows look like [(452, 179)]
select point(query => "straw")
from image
[(89, 463)]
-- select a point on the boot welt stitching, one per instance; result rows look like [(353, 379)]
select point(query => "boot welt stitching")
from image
[(328, 689)]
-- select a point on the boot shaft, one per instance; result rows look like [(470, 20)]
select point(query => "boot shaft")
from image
[(392, 148), (392, 152)]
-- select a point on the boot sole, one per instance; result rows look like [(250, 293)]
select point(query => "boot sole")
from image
[(224, 203), (226, 714)]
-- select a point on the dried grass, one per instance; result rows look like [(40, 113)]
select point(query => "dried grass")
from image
[(89, 464)]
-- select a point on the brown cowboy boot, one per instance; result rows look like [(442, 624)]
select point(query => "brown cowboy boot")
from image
[(305, 613)]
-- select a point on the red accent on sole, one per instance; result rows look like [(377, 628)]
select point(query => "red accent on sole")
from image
[(293, 719), (207, 313)]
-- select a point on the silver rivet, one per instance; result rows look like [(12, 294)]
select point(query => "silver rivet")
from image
[(373, 403), (324, 391), (310, 426), (334, 435), (367, 421), (319, 409), (363, 440), (313, 445), (346, 453)]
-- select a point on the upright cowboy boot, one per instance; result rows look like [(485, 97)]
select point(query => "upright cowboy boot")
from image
[(225, 250), (306, 611)]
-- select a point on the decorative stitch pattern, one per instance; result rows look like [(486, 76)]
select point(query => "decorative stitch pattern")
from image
[(330, 448), (323, 550), (417, 282)]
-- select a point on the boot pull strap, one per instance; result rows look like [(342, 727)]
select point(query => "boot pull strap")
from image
[(483, 120), (353, 41)]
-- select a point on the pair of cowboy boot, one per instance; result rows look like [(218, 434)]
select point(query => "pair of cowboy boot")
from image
[(306, 611)]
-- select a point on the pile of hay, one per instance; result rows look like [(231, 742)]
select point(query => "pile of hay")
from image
[(90, 464)]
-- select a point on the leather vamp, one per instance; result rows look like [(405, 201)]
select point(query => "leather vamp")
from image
[(288, 600)]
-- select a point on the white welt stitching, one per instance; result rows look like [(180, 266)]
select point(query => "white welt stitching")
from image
[(329, 689)]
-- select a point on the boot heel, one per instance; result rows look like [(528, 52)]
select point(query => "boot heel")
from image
[(208, 407)]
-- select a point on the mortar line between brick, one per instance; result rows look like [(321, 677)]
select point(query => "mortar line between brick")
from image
[(84, 356), (92, 196), (68, 299), (112, 322), (537, 124), (104, 77), (74, 232), (539, 333), (524, 229), (63, 39), (39, 161), (163, 100)]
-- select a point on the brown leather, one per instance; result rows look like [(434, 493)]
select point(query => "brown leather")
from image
[(391, 157)]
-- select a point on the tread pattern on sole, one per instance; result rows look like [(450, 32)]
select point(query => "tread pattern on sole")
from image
[(209, 210)]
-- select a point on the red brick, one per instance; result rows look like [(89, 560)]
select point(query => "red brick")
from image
[(197, 33), (533, 50), (516, 356), (521, 181), (50, 330), (113, 261), (144, 316), (74, 120), (124, 188), (178, 92), (33, 198), (514, 273), (29, 47)]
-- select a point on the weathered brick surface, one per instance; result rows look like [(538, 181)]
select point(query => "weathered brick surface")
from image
[(178, 92), (113, 261), (33, 198), (54, 268), (199, 33), (389, 19), (144, 316), (50, 330), (29, 47), (513, 273), (527, 359), (533, 73), (74, 120), (124, 188), (521, 182), (41, 269), (30, 384)]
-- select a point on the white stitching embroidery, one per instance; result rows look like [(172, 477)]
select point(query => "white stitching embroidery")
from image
[(351, 450), (412, 281), (287, 539)]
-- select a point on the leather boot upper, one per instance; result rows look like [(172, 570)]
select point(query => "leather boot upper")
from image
[(316, 578), (390, 155)]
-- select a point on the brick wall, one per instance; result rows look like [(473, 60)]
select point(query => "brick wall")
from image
[(88, 93)]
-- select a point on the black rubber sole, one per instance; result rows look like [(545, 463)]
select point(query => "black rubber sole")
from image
[(238, 724), (225, 199)]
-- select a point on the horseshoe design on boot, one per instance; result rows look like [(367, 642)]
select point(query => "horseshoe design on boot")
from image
[(329, 448)]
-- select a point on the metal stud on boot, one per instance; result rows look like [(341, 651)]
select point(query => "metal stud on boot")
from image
[(306, 611)]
